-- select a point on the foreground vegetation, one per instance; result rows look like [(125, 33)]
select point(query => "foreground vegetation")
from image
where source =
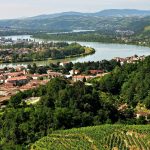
[(104, 137), (66, 105)]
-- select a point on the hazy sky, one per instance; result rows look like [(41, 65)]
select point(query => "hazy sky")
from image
[(24, 8)]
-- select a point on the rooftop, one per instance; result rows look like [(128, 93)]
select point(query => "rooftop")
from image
[(18, 78)]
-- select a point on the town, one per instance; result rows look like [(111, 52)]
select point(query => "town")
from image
[(22, 78), (9, 41), (131, 59), (17, 79)]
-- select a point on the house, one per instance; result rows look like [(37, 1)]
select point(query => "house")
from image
[(123, 107), (2, 71), (131, 59), (81, 78), (33, 84), (2, 79), (14, 74), (18, 81), (94, 72), (144, 114), (20, 68), (63, 64), (52, 74), (38, 76), (74, 72), (142, 57), (3, 99), (67, 76)]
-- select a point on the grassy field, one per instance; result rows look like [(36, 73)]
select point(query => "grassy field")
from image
[(104, 137)]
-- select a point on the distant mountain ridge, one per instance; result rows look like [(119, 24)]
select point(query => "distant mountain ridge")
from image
[(106, 20), (124, 12), (105, 13), (47, 16)]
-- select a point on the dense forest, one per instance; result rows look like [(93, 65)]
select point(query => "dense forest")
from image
[(65, 105), (105, 65), (129, 82)]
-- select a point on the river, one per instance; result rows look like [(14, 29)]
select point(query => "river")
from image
[(103, 51)]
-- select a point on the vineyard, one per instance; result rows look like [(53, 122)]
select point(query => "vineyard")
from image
[(105, 137)]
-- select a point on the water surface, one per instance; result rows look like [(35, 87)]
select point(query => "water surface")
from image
[(103, 51)]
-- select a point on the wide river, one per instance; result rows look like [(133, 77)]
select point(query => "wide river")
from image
[(103, 51)]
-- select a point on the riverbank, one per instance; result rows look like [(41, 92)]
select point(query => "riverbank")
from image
[(103, 51), (88, 51), (27, 50), (132, 40)]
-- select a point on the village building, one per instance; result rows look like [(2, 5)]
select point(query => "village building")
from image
[(143, 114), (123, 107), (74, 72), (52, 74), (33, 84), (39, 76), (2, 71), (63, 64), (2, 79), (18, 81), (14, 74), (81, 78), (132, 59), (94, 72), (20, 68)]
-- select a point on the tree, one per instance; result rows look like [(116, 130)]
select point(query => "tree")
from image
[(16, 100), (84, 79)]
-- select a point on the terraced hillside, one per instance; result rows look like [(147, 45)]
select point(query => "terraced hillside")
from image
[(105, 137)]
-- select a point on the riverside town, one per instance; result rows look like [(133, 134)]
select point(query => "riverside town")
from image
[(21, 78), (75, 75)]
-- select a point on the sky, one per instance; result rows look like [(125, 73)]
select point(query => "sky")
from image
[(25, 8)]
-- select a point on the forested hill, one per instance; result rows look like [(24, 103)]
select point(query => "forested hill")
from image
[(104, 13), (105, 20), (64, 105)]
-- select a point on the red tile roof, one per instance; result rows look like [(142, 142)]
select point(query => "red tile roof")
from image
[(15, 74), (18, 78), (143, 113), (81, 77), (96, 71), (39, 75)]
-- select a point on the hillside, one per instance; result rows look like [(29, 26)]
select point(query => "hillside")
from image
[(104, 20), (105, 137), (123, 12), (65, 105), (106, 13)]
